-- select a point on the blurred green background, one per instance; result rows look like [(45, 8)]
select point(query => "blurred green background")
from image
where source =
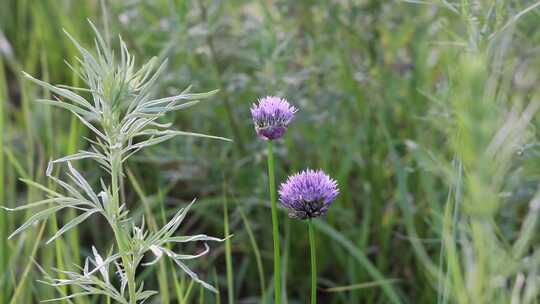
[(424, 112)]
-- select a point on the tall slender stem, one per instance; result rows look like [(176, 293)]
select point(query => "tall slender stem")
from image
[(228, 255), (126, 262), (313, 250), (3, 221), (121, 236), (275, 225)]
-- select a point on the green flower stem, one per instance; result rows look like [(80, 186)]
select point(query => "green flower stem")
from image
[(122, 237), (313, 249), (275, 225)]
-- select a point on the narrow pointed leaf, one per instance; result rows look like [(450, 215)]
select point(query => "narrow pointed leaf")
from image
[(36, 218), (74, 222)]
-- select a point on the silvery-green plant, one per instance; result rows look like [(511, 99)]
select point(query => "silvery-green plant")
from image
[(124, 118)]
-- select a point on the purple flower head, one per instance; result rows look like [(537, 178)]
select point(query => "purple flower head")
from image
[(308, 194), (271, 116)]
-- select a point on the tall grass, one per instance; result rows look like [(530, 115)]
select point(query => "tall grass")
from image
[(424, 111), (3, 221)]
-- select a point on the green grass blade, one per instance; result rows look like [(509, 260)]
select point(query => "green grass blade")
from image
[(389, 291)]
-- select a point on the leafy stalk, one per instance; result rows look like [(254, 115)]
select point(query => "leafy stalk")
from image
[(119, 233)]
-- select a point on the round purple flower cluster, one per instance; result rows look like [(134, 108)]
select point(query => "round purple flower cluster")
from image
[(308, 194), (271, 116)]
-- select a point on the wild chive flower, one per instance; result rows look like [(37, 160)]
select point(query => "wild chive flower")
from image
[(271, 116), (308, 194)]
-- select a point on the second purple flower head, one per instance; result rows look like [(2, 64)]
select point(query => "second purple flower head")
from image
[(272, 116), (308, 194)]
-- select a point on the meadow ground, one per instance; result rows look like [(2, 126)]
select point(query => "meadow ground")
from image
[(424, 111)]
